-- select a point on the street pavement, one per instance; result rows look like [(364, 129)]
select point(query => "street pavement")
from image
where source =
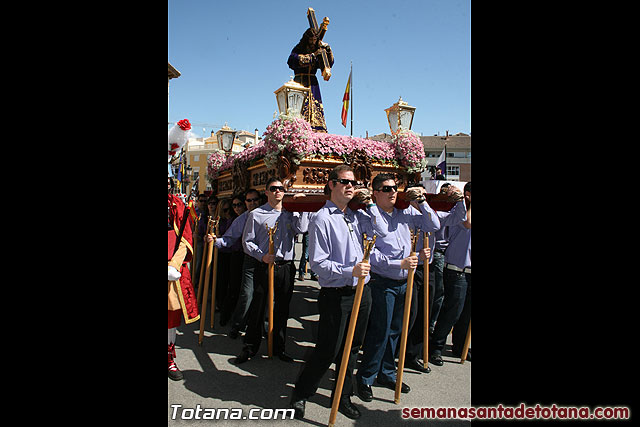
[(213, 382)]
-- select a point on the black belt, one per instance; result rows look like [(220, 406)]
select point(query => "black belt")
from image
[(283, 262), (348, 289)]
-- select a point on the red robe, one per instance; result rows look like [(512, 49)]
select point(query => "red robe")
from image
[(185, 291)]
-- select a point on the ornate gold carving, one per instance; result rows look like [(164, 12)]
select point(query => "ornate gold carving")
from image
[(315, 175), (240, 176), (361, 165)]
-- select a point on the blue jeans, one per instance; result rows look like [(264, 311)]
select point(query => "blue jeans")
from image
[(437, 294), (383, 332), (457, 291)]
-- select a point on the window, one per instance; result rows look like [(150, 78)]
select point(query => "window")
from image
[(453, 172)]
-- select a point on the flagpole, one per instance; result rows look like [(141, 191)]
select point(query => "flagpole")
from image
[(445, 161), (351, 95)]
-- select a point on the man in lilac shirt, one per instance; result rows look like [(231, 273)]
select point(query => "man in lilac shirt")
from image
[(335, 255), (391, 260), (456, 306), (255, 240)]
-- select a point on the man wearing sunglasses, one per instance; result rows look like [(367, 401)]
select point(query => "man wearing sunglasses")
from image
[(390, 261), (255, 240), (335, 255), (238, 318)]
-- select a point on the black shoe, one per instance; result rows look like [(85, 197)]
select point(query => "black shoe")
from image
[(392, 385), (314, 277), (298, 406), (285, 357), (364, 392), (436, 359), (417, 366), (348, 409), (233, 333), (242, 357), (301, 277)]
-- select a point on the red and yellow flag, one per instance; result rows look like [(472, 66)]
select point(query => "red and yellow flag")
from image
[(345, 101), (192, 211)]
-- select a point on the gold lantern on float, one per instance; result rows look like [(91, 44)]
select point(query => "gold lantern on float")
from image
[(400, 116), (290, 98), (226, 136)]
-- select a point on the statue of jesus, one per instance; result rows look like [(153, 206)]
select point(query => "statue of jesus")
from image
[(305, 59)]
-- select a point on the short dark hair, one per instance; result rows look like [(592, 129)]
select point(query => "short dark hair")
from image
[(249, 191), (376, 184), (340, 168), (270, 181), (467, 187), (212, 198)]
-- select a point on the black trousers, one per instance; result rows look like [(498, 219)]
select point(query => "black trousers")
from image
[(416, 325), (334, 306), (283, 279)]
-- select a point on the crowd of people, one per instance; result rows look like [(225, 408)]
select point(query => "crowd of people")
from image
[(333, 245)]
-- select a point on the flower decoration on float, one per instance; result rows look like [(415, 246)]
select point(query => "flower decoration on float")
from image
[(289, 136), (293, 137), (409, 151), (215, 162)]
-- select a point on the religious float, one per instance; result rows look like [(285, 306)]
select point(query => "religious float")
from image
[(296, 148)]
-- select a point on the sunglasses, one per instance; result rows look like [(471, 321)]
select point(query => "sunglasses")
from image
[(343, 181), (237, 205), (388, 188), (275, 188), (252, 200)]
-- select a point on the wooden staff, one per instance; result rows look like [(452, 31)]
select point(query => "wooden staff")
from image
[(214, 279), (405, 320), (210, 226), (465, 348), (368, 247), (270, 272), (425, 288), (202, 259)]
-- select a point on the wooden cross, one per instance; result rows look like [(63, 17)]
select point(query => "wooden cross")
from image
[(311, 16)]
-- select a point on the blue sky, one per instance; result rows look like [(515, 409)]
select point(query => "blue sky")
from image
[(233, 54)]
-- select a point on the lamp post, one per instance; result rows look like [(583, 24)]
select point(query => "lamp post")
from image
[(400, 116), (290, 98), (226, 136)]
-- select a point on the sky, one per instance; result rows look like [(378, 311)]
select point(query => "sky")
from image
[(232, 56)]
